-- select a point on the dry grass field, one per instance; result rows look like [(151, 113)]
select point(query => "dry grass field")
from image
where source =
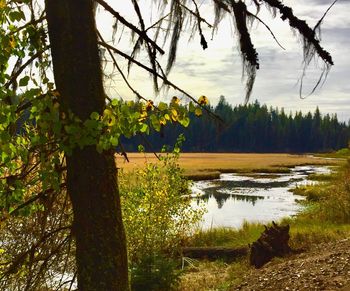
[(208, 165)]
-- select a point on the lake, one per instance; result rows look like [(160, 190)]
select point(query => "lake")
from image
[(263, 197)]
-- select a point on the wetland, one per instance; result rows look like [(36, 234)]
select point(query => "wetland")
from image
[(234, 198)]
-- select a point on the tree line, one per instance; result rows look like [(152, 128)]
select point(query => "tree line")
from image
[(252, 128)]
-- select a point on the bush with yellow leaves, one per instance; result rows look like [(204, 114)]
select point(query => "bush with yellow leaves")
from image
[(158, 217)]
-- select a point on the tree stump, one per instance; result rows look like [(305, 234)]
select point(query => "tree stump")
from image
[(273, 242)]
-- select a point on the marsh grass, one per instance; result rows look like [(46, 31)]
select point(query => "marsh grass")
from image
[(340, 154), (200, 166), (227, 237), (202, 175), (213, 275), (304, 234), (205, 276), (313, 193), (322, 177)]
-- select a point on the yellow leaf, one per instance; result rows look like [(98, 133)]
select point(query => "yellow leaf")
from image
[(108, 115), (111, 121), (175, 100), (174, 114), (2, 4), (143, 116), (149, 105), (162, 121), (130, 103), (12, 42), (198, 112), (203, 100)]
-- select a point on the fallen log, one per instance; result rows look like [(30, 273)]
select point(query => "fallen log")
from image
[(273, 242), (214, 253)]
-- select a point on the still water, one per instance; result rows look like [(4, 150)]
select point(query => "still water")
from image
[(235, 198)]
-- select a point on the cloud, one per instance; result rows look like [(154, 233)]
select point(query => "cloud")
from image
[(322, 2)]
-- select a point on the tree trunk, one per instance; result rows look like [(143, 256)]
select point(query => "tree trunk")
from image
[(91, 177)]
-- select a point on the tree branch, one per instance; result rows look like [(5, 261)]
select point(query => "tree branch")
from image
[(308, 34), (142, 34), (33, 22), (267, 27), (20, 70)]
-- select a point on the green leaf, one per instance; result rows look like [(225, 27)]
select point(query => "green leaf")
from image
[(94, 116), (141, 148), (162, 106), (4, 157), (114, 141), (91, 123), (24, 81), (32, 93), (17, 15), (144, 128), (155, 122), (191, 107), (185, 121)]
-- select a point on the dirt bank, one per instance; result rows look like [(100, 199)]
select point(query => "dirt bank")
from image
[(323, 267)]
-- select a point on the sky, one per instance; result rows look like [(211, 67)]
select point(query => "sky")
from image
[(217, 70)]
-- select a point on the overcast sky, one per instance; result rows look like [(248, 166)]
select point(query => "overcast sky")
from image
[(218, 70)]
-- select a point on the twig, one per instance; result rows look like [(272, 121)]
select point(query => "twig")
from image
[(197, 15), (20, 70), (268, 28), (324, 15), (120, 70)]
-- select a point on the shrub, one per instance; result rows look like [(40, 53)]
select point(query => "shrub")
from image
[(158, 218), (154, 273)]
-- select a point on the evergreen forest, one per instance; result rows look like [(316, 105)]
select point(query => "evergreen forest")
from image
[(251, 128)]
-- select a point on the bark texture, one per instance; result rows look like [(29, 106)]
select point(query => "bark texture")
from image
[(91, 177)]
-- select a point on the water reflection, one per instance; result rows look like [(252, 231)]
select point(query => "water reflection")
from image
[(221, 198), (260, 197)]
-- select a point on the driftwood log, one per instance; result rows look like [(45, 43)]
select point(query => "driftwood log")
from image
[(214, 253), (273, 242)]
